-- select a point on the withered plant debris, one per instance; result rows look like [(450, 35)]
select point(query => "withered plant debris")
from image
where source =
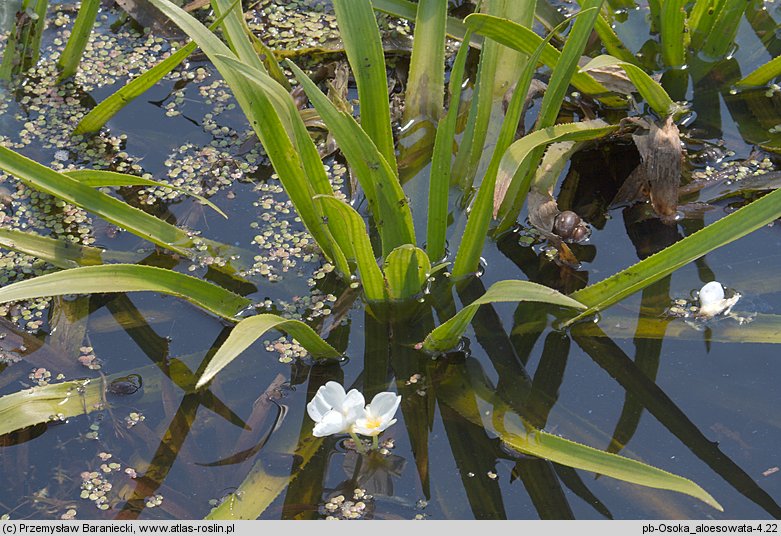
[(658, 175)]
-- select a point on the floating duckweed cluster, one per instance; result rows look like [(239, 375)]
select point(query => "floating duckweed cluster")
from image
[(154, 501), (288, 349), (736, 171), (311, 24), (339, 507), (40, 376), (281, 240), (69, 514), (95, 487), (88, 359), (134, 418)]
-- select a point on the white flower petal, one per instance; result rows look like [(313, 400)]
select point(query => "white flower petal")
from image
[(353, 404), (384, 405), (332, 423), (332, 393), (317, 408), (386, 424), (711, 294)]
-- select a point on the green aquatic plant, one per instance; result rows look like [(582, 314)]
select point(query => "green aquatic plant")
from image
[(342, 232), (85, 20), (23, 46)]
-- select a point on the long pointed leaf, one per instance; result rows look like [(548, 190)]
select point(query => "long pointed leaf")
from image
[(448, 334), (371, 277), (363, 44), (267, 107), (513, 179), (235, 28), (110, 209), (71, 56), (649, 88), (516, 36), (674, 38), (111, 105), (479, 220), (60, 253), (386, 199), (731, 227), (251, 329), (425, 88), (128, 278), (439, 176), (763, 74), (99, 179)]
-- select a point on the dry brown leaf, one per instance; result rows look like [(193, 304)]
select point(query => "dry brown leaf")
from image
[(659, 174)]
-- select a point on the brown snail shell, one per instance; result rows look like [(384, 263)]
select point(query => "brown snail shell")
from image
[(570, 227)]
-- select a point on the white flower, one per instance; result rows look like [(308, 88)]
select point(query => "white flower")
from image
[(378, 415), (712, 301), (333, 410)]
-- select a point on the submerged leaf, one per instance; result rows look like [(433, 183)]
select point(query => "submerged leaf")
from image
[(456, 390)]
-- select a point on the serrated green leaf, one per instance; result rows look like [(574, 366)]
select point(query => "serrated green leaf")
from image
[(425, 88), (447, 335), (111, 105), (386, 199), (363, 44), (605, 293), (612, 42), (128, 278), (82, 28), (442, 158), (516, 36), (762, 75), (653, 93), (100, 179), (498, 69), (235, 28), (476, 230), (251, 329), (61, 186), (361, 248), (703, 14), (721, 37), (514, 178), (674, 38), (272, 115)]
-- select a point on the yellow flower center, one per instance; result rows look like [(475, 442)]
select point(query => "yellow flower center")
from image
[(373, 423)]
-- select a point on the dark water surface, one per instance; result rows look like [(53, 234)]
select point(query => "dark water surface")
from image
[(690, 402)]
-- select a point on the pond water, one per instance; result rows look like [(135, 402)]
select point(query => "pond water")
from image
[(699, 402)]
